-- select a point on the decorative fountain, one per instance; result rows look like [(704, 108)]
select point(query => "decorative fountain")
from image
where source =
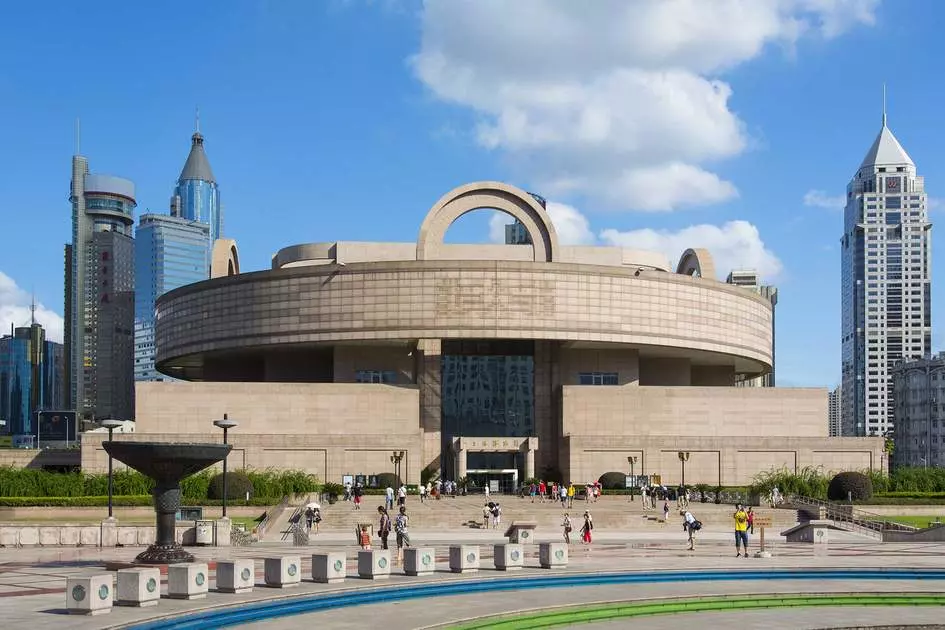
[(166, 463)]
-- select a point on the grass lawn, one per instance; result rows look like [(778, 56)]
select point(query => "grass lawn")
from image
[(6, 441), (248, 522), (915, 521)]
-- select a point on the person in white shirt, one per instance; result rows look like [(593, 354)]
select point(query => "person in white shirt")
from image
[(690, 524), (389, 498), (402, 496), (422, 491)]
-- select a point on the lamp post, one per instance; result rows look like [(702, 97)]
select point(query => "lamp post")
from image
[(683, 458), (395, 459), (225, 424), (632, 459), (111, 425)]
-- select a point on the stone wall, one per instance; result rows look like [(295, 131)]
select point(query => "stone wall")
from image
[(760, 412)]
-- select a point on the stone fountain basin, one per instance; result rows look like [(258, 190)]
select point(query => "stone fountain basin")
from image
[(167, 462)]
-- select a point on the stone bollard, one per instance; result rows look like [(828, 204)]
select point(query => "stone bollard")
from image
[(328, 568), (509, 557), (419, 561), (222, 529), (90, 595), (552, 555), (139, 587), (284, 571), (374, 564), (190, 580), (236, 576), (464, 558)]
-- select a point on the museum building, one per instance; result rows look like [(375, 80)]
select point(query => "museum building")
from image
[(498, 362)]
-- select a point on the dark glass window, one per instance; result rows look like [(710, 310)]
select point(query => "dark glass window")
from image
[(597, 378)]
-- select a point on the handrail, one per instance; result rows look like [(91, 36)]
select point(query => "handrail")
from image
[(854, 517), (293, 522), (271, 515)]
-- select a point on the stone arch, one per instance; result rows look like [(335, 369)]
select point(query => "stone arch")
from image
[(225, 259), (697, 262), (509, 199)]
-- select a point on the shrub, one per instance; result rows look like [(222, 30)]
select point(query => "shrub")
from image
[(808, 482), (333, 489), (613, 481), (279, 483), (847, 484), (120, 501), (238, 485), (387, 479)]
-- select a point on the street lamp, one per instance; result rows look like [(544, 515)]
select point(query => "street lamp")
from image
[(395, 459), (632, 459), (683, 458), (111, 425), (225, 424)]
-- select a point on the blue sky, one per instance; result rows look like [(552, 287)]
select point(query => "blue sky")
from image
[(655, 123)]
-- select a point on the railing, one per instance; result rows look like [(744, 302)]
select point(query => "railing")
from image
[(272, 515), (854, 519), (294, 521)]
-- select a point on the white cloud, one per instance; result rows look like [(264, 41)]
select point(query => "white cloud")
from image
[(934, 203), (593, 96), (734, 245), (571, 226), (820, 199), (15, 310)]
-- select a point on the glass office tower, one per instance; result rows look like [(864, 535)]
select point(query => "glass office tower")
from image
[(32, 379), (170, 252), (197, 197)]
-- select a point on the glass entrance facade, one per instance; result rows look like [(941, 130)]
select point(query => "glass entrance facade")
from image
[(487, 389)]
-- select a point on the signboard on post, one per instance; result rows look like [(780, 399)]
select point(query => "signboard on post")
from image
[(763, 522)]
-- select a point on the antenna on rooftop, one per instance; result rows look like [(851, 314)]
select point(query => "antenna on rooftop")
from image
[(197, 121), (78, 136), (884, 104)]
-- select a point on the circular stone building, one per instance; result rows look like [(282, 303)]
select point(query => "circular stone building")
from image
[(497, 362)]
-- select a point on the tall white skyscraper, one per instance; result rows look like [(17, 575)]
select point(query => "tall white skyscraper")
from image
[(885, 282)]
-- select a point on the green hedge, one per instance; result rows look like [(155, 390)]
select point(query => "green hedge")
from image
[(29, 482)]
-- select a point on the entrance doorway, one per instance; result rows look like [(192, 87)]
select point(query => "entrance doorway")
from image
[(499, 481)]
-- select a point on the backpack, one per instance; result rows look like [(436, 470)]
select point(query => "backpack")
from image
[(697, 525)]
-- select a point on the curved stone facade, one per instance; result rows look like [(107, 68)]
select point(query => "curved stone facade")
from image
[(464, 300)]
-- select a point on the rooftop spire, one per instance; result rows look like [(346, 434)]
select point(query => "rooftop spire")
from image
[(197, 165), (197, 118), (884, 104)]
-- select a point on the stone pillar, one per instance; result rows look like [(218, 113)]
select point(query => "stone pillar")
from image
[(460, 462), (529, 461), (428, 376)]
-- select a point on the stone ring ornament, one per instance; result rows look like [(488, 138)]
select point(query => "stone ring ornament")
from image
[(151, 586), (382, 563), (78, 593), (292, 570), (339, 565), (200, 579), (103, 592), (471, 557), (245, 574)]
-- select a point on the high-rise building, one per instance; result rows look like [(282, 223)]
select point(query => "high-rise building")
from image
[(32, 379), (834, 406), (197, 196), (169, 252), (749, 279), (919, 392), (175, 250), (99, 332), (886, 289), (517, 234)]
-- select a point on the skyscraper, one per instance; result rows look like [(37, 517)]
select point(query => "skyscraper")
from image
[(749, 279), (886, 289), (31, 380), (175, 250), (169, 252), (197, 196), (834, 411), (99, 277)]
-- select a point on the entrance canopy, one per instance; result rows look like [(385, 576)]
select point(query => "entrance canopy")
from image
[(462, 446)]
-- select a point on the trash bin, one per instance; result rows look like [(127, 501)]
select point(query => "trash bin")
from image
[(204, 534)]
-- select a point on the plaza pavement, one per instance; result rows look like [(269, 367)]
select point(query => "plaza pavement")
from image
[(32, 581)]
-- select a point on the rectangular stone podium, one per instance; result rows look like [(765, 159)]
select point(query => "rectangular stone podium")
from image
[(374, 564), (509, 557), (419, 560), (89, 595), (236, 576), (521, 532), (329, 568), (464, 558), (552, 555), (188, 581), (283, 571), (139, 587)]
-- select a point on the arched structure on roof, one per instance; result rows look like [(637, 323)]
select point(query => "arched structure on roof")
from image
[(697, 262)]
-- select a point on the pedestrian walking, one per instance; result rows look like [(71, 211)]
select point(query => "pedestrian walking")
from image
[(691, 524), (751, 522), (587, 528), (383, 527), (566, 524), (665, 511)]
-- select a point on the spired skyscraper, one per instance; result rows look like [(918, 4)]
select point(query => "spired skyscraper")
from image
[(174, 250), (99, 300), (886, 290)]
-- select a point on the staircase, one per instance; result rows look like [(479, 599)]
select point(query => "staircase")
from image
[(847, 517), (609, 512)]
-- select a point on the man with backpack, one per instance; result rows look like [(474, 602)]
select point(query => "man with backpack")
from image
[(691, 524)]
